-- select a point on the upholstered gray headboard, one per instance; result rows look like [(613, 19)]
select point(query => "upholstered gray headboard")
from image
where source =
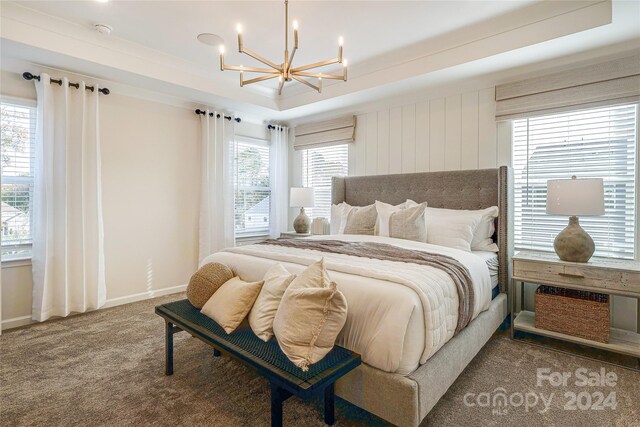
[(468, 189)]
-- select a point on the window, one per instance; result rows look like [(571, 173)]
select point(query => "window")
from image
[(595, 143), (252, 191), (18, 123), (318, 166)]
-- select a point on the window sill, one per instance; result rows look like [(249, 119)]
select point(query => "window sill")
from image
[(249, 240), (17, 262)]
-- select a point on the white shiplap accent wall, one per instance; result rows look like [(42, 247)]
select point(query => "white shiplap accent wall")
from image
[(457, 131), (448, 133)]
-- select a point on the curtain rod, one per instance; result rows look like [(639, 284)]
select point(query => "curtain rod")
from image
[(199, 111), (28, 76), (270, 127)]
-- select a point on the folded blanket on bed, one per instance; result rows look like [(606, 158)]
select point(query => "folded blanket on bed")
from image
[(458, 272)]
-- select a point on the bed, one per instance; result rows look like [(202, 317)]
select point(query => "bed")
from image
[(406, 337)]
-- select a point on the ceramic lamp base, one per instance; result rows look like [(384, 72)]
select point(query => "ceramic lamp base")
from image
[(573, 244), (302, 223)]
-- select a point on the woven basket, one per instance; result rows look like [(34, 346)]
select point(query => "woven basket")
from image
[(577, 313)]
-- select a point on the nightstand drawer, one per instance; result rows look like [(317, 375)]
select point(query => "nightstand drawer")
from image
[(582, 276)]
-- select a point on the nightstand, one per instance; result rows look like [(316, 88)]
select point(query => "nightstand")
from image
[(602, 275), (294, 235)]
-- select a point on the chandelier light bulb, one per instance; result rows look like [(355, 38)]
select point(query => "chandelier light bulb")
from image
[(340, 41), (295, 25), (280, 79), (344, 63), (221, 48), (239, 28)]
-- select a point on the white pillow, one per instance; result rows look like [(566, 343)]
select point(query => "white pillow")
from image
[(276, 281), (462, 229), (483, 237), (336, 217), (451, 230)]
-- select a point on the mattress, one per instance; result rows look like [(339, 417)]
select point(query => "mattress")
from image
[(399, 314)]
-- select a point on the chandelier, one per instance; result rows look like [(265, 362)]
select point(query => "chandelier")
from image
[(284, 72)]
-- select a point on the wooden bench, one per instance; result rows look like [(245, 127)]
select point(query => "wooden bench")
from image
[(284, 377)]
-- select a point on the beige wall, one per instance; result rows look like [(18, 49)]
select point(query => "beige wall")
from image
[(151, 184)]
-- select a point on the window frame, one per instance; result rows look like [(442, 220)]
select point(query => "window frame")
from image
[(21, 260), (245, 236), (636, 172)]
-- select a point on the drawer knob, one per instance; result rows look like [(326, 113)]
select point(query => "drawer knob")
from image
[(575, 276)]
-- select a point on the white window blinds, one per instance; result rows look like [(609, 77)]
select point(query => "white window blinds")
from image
[(252, 191), (595, 143), (318, 166), (18, 124)]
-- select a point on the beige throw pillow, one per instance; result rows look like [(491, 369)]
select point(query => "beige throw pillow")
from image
[(358, 220), (276, 281), (311, 315), (229, 305), (408, 223)]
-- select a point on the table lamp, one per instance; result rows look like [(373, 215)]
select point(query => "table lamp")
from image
[(573, 197), (301, 197)]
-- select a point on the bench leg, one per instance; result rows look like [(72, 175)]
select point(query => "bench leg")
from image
[(168, 341), (329, 405), (278, 396)]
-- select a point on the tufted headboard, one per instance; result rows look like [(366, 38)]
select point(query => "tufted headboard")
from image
[(467, 189)]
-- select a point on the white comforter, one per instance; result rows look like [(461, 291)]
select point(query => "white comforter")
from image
[(399, 314)]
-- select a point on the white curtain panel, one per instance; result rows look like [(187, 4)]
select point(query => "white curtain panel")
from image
[(217, 184), (68, 235), (279, 178)]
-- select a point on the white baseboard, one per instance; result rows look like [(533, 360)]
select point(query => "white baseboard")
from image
[(17, 321), (113, 302)]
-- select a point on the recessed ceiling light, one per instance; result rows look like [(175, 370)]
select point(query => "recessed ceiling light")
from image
[(210, 39)]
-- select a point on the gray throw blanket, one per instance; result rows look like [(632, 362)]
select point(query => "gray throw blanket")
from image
[(458, 272)]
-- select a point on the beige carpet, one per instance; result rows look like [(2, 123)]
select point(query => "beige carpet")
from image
[(106, 368)]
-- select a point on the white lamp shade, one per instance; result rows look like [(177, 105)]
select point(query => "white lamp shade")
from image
[(301, 197), (579, 197)]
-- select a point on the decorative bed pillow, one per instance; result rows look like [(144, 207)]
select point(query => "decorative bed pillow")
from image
[(276, 281), (358, 220), (206, 281), (311, 315), (231, 303), (336, 217), (385, 211), (408, 224)]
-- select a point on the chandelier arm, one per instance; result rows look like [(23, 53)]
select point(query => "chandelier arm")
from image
[(316, 65), (261, 59), (280, 86), (293, 53), (249, 69), (304, 82), (260, 79), (317, 75)]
